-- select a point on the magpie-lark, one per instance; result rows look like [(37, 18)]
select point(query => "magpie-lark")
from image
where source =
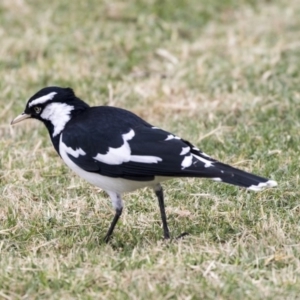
[(119, 152)]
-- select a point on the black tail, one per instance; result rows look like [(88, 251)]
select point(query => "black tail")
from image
[(204, 166), (238, 177)]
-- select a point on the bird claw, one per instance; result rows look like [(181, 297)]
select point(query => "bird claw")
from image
[(166, 238), (182, 235)]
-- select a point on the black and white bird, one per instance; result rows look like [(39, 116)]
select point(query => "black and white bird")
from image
[(119, 152)]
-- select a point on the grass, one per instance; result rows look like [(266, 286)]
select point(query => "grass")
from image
[(222, 74)]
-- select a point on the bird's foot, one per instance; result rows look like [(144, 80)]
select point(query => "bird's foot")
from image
[(182, 235), (167, 237), (107, 239)]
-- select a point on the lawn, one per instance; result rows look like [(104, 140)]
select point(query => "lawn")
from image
[(224, 75)]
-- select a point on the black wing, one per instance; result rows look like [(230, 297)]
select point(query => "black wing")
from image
[(153, 152)]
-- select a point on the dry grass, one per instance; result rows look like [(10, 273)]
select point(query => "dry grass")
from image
[(223, 74)]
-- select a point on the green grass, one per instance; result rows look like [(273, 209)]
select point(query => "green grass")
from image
[(222, 74)]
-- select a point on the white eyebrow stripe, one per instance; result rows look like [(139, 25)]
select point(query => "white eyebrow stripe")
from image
[(42, 99)]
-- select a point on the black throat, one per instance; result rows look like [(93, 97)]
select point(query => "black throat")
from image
[(54, 139)]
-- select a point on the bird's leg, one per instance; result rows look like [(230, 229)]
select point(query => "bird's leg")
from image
[(113, 224), (160, 196), (118, 205)]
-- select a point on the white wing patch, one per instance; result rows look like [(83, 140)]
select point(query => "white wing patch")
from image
[(187, 162), (172, 137), (42, 99), (185, 150), (128, 136), (117, 156), (147, 159), (73, 152), (206, 162), (58, 114)]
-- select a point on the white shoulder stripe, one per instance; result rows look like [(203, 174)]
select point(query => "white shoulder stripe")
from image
[(118, 156), (42, 99)]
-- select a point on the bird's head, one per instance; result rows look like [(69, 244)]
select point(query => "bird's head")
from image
[(54, 106)]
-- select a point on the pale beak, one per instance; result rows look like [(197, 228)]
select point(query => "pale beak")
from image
[(20, 118)]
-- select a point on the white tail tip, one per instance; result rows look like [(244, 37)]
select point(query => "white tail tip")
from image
[(262, 185)]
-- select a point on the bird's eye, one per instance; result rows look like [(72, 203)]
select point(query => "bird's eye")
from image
[(37, 109)]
